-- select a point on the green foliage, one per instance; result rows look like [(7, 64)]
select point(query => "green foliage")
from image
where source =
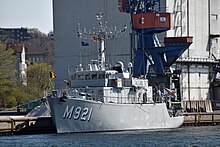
[(7, 74), (42, 41), (21, 94), (7, 67), (12, 92), (5, 35), (38, 79)]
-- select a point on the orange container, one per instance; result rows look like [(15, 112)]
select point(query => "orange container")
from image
[(151, 20), (178, 40)]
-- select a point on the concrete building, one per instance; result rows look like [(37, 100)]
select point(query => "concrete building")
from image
[(197, 18), (35, 52), (199, 65), (14, 34)]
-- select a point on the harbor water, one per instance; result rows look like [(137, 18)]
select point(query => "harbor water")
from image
[(204, 136)]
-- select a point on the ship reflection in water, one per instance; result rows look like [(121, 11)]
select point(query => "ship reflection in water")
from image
[(184, 136)]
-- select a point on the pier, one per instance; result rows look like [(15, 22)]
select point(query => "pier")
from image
[(44, 125), (26, 125), (202, 118)]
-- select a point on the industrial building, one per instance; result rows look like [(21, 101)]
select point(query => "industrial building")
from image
[(199, 65), (198, 81)]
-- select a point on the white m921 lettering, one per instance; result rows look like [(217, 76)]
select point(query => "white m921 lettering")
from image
[(78, 112)]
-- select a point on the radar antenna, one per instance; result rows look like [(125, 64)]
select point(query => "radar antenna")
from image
[(100, 36)]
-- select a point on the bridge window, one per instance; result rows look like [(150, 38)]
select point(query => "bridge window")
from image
[(101, 76), (80, 77), (73, 77), (94, 76), (87, 77)]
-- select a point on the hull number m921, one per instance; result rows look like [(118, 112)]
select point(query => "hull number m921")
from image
[(77, 113)]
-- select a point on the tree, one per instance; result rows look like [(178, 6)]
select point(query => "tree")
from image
[(7, 73), (38, 79), (43, 42), (12, 92)]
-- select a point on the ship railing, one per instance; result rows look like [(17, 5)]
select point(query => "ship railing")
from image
[(69, 94), (109, 99), (126, 100)]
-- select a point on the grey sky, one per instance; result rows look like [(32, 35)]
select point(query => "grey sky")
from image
[(26, 13)]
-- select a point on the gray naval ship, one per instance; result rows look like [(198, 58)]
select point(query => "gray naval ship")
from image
[(107, 98)]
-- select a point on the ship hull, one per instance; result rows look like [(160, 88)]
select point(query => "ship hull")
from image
[(79, 115)]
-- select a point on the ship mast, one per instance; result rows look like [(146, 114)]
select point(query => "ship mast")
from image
[(101, 39), (100, 36)]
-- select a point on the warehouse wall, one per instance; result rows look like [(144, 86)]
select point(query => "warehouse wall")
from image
[(200, 19)]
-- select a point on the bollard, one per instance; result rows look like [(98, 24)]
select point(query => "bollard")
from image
[(198, 118), (212, 118), (195, 120), (12, 125)]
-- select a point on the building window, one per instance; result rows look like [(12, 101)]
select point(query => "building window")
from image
[(214, 41), (214, 16)]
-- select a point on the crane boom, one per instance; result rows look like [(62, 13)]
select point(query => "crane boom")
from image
[(147, 22)]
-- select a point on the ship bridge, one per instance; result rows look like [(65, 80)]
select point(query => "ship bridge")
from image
[(94, 77)]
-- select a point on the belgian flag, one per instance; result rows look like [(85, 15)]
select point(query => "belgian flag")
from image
[(52, 75), (96, 39)]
